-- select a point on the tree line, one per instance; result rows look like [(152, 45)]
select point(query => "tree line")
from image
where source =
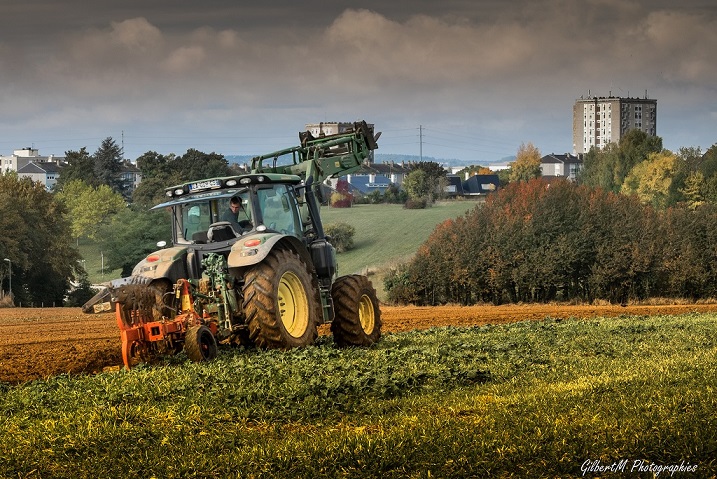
[(40, 230), (536, 242)]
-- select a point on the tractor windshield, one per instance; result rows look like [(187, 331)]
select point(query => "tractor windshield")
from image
[(279, 209), (196, 218)]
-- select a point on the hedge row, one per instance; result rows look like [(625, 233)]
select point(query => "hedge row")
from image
[(536, 242)]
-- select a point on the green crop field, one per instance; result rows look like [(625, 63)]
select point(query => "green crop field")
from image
[(532, 399)]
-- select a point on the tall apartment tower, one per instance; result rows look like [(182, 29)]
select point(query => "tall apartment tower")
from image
[(599, 121)]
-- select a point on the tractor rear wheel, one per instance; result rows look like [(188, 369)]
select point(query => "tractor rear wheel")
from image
[(281, 301), (357, 320), (200, 344)]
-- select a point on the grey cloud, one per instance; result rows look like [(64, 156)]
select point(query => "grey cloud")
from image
[(510, 71)]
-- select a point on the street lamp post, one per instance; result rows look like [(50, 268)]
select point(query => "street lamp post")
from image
[(6, 259)]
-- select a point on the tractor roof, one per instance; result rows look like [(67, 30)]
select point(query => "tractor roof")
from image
[(221, 187)]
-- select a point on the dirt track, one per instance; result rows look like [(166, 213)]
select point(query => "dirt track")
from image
[(37, 343)]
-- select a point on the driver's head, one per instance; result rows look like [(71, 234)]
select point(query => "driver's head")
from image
[(235, 204)]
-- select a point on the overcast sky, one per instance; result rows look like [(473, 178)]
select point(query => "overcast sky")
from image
[(242, 78)]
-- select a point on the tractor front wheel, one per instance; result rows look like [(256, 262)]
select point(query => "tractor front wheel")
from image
[(357, 320), (200, 344), (281, 301)]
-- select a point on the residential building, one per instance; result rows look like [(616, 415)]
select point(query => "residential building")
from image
[(565, 166), (599, 121), (131, 176), (45, 172), (454, 186), (23, 156), (478, 185)]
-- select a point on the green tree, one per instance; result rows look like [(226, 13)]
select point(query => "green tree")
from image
[(693, 190), (108, 165), (635, 147), (607, 168), (131, 235), (394, 194), (527, 163), (162, 171), (80, 166), (417, 184), (709, 190), (651, 180), (708, 162), (150, 191), (154, 165), (600, 167), (196, 165), (37, 241), (89, 207), (434, 179), (690, 158)]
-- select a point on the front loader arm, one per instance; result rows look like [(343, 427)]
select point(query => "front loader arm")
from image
[(321, 158)]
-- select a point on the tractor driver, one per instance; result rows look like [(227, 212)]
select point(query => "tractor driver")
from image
[(232, 215)]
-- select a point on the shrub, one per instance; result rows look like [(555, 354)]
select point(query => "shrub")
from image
[(6, 301), (394, 195), (375, 197), (339, 200), (342, 236), (415, 204), (399, 286), (342, 198)]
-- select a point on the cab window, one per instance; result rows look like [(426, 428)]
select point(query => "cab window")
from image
[(196, 218), (278, 209)]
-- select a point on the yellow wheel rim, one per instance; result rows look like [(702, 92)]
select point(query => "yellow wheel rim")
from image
[(293, 305), (367, 316)]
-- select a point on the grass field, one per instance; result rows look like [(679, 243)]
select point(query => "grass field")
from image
[(529, 399), (94, 262), (388, 234)]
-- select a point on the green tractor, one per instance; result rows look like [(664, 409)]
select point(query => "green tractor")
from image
[(249, 263)]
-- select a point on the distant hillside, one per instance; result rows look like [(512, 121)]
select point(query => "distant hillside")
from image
[(396, 158)]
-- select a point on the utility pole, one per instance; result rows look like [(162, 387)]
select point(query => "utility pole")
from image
[(420, 142)]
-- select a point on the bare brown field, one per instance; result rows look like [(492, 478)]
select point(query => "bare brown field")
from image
[(38, 343)]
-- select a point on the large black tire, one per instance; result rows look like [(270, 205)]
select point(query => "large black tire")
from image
[(200, 344), (281, 301), (357, 320)]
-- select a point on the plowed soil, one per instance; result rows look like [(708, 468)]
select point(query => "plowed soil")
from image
[(38, 343)]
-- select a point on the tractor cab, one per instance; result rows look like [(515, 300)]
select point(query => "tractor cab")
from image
[(221, 211)]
